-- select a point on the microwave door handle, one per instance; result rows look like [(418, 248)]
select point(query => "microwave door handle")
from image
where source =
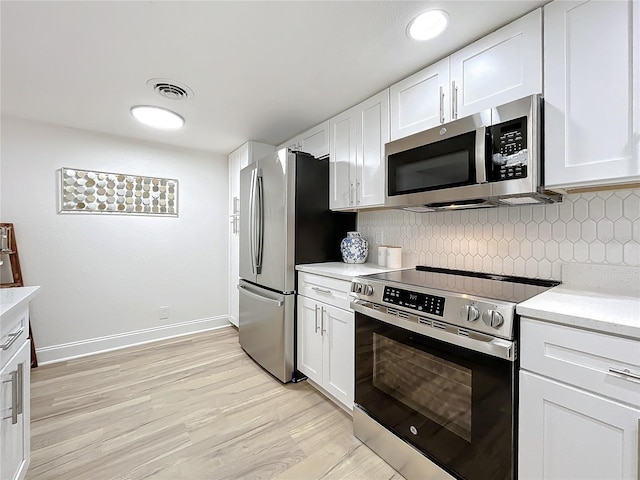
[(481, 149)]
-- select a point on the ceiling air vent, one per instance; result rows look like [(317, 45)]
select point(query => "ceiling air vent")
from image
[(170, 89)]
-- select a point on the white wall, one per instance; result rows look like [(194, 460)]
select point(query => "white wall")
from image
[(104, 277), (531, 241)]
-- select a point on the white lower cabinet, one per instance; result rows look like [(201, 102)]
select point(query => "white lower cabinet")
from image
[(570, 434), (325, 347), (14, 415), (579, 408)]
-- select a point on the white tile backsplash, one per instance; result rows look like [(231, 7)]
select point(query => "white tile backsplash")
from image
[(530, 240)]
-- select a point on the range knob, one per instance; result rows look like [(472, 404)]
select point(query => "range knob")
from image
[(469, 313), (367, 290), (356, 287), (493, 318)]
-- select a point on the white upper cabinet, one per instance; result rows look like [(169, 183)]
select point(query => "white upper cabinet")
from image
[(356, 143), (503, 66), (314, 141), (342, 160), (421, 101), (592, 93)]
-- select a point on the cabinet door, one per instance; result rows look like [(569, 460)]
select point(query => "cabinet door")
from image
[(592, 93), (372, 130), (309, 339), (316, 140), (342, 160), (15, 407), (237, 160), (569, 434), (503, 66), (420, 101), (338, 351)]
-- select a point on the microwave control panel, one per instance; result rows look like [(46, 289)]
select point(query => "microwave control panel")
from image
[(509, 154), (422, 302)]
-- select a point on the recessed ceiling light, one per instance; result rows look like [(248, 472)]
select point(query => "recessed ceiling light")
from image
[(428, 25), (157, 117)]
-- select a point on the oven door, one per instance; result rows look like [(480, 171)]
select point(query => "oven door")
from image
[(455, 405)]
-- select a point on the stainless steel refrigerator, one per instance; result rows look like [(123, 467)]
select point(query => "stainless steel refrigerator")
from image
[(284, 221)]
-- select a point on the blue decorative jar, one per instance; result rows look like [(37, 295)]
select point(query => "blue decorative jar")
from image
[(354, 248)]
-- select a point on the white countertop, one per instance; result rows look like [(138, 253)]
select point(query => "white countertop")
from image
[(343, 271), (601, 298), (12, 298)]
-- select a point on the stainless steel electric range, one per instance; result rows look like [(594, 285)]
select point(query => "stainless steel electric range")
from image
[(436, 369)]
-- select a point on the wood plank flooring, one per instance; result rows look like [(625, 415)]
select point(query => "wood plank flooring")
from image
[(190, 408)]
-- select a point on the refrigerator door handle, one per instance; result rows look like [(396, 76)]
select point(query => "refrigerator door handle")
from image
[(244, 290), (260, 219), (252, 221)]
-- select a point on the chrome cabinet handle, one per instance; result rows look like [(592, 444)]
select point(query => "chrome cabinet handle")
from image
[(321, 290), (236, 208), (454, 99), (351, 194), (315, 330), (14, 397), (20, 388), (358, 188), (322, 329), (441, 104), (12, 339), (624, 372)]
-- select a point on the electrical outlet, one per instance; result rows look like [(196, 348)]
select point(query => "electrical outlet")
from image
[(164, 313)]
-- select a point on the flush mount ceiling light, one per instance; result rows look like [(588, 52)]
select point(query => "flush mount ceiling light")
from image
[(428, 25), (157, 117)]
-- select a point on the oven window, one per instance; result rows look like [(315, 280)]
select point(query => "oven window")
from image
[(447, 163), (436, 388)]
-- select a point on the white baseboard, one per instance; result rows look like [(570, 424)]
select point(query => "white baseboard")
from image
[(82, 348)]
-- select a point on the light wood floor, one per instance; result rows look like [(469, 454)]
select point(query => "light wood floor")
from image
[(190, 408)]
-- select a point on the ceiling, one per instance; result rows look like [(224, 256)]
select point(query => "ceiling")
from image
[(264, 70)]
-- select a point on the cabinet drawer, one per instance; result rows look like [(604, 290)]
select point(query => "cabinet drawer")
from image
[(325, 289), (15, 330), (583, 358)]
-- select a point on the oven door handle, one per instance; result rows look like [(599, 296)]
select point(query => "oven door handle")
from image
[(496, 347)]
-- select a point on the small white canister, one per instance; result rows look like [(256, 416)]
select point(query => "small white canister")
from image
[(382, 255), (394, 257)]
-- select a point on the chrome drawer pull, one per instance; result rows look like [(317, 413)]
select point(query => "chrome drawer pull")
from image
[(321, 290), (12, 339), (625, 373)]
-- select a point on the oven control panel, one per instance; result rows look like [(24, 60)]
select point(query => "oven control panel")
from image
[(422, 302)]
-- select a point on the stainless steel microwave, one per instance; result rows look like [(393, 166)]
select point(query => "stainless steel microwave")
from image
[(488, 159)]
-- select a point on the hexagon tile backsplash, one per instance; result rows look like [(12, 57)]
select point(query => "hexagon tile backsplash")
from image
[(531, 241)]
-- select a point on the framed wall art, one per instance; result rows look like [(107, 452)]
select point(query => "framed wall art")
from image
[(85, 191)]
